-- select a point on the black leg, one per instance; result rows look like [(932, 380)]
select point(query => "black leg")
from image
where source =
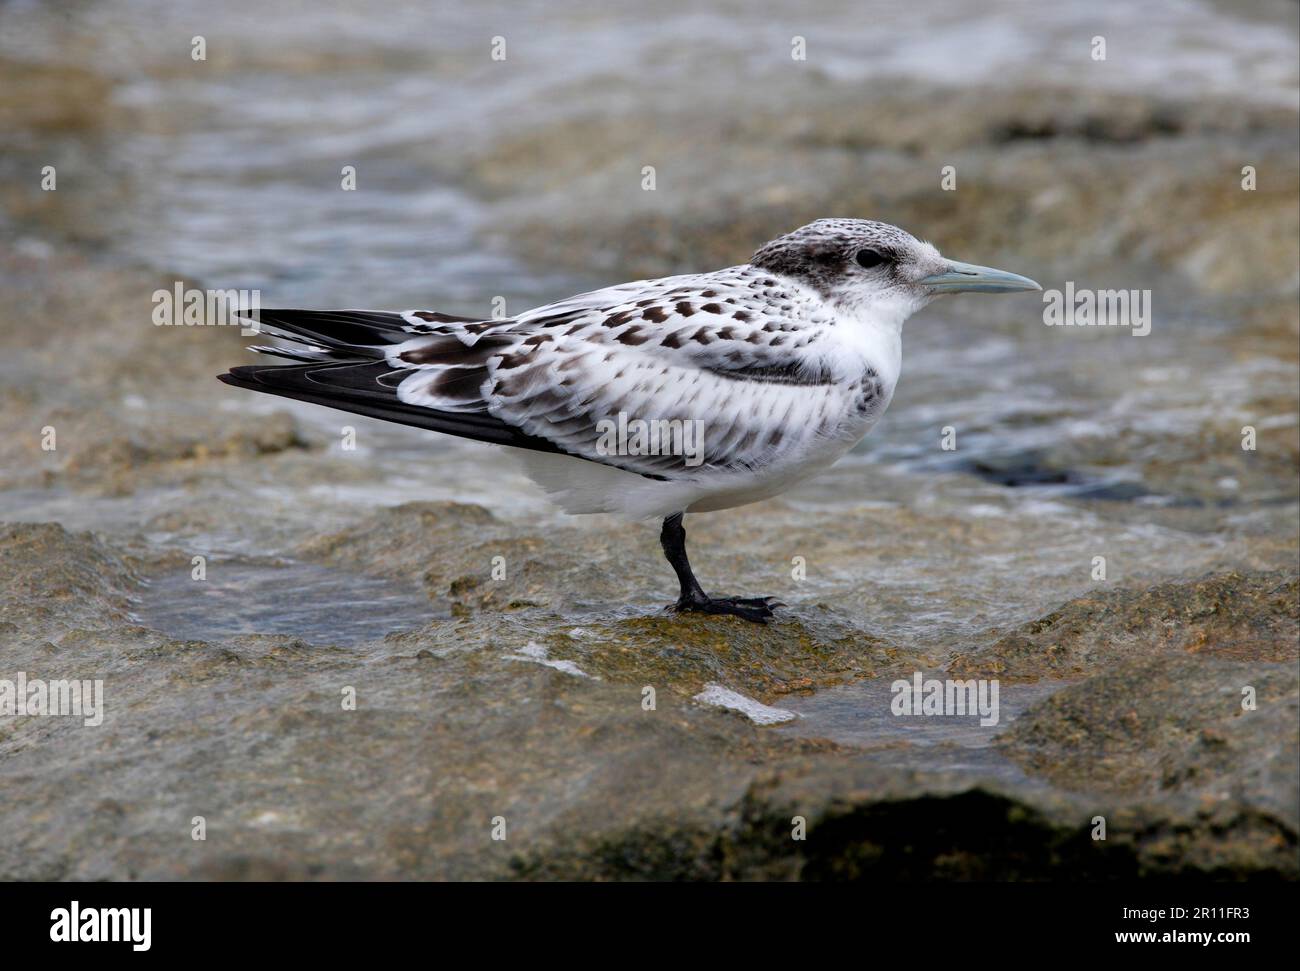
[(693, 598)]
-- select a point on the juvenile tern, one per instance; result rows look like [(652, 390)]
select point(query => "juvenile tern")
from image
[(654, 398)]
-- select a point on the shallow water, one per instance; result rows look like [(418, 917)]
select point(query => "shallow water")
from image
[(323, 606), (326, 606), (860, 714)]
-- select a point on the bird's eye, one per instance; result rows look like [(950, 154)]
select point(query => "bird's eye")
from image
[(867, 258)]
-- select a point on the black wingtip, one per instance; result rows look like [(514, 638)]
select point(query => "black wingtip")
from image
[(240, 377)]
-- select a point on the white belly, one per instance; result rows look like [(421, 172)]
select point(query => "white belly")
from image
[(740, 489)]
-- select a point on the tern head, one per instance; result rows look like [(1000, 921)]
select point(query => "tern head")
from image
[(876, 270)]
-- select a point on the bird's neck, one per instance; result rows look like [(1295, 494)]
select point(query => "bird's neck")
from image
[(870, 336), (886, 311)]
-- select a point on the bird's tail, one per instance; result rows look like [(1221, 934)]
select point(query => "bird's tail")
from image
[(330, 335), (343, 363)]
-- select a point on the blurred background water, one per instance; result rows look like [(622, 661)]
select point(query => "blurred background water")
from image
[(231, 166)]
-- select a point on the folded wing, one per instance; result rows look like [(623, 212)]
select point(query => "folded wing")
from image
[(729, 352)]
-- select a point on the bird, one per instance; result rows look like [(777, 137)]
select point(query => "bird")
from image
[(651, 399)]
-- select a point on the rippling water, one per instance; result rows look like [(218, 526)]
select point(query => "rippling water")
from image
[(318, 604), (233, 164)]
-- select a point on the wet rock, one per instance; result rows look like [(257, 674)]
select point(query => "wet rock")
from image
[(1247, 616), (50, 578), (118, 461), (44, 98), (1204, 462), (863, 822), (406, 781), (401, 539), (1217, 729), (799, 651), (465, 556), (330, 763), (142, 406), (1077, 179), (474, 561), (1019, 470)]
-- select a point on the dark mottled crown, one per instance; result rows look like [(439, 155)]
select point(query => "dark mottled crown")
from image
[(819, 254)]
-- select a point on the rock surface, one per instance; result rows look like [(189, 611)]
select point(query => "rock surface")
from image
[(458, 728), (1100, 532)]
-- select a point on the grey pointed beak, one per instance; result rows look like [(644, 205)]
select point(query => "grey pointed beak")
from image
[(969, 278)]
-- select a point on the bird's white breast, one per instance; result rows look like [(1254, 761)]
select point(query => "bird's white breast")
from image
[(866, 357)]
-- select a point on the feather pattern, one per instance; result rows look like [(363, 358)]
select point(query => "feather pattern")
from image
[(752, 360), (748, 379)]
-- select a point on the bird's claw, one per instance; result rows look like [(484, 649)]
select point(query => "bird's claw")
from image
[(759, 610)]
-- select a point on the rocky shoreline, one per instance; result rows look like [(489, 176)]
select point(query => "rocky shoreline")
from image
[(517, 704), (456, 726)]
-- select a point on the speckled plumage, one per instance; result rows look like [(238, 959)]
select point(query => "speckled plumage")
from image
[(787, 361), (751, 356)]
